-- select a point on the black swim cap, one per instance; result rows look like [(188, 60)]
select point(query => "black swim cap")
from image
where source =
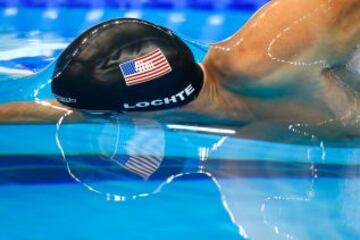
[(126, 65)]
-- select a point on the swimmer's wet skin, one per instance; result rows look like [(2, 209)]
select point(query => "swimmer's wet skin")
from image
[(274, 69)]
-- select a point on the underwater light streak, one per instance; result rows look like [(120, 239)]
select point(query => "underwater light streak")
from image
[(201, 129), (11, 11), (15, 71), (94, 15), (51, 14), (35, 48)]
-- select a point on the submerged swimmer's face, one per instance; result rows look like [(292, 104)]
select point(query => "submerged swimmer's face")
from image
[(126, 65)]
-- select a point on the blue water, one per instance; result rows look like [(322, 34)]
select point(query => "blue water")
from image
[(62, 183)]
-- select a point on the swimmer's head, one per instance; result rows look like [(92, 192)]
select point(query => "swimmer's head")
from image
[(126, 65)]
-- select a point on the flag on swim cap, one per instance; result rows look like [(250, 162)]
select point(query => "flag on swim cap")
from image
[(126, 65)]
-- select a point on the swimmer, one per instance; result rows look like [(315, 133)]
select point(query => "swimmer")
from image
[(288, 63)]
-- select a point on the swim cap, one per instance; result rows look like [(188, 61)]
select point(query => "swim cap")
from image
[(126, 65)]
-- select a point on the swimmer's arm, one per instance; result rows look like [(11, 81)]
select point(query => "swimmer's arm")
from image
[(289, 31), (47, 112)]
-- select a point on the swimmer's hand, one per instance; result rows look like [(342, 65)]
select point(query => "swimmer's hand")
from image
[(44, 112)]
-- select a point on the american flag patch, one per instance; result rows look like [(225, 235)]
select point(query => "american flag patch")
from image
[(145, 68)]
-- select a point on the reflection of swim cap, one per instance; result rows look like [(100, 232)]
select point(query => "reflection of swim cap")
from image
[(122, 157), (127, 65)]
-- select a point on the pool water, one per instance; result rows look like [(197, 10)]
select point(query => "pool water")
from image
[(64, 181)]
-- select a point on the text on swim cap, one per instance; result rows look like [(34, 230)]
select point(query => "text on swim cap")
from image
[(181, 96), (65, 99)]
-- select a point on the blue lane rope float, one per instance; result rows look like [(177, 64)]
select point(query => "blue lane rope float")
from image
[(250, 5)]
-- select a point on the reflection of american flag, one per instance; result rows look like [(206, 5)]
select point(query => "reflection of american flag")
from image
[(144, 150), (145, 68), (144, 166)]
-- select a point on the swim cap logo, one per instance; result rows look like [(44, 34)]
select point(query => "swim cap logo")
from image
[(146, 68), (65, 99), (181, 96)]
